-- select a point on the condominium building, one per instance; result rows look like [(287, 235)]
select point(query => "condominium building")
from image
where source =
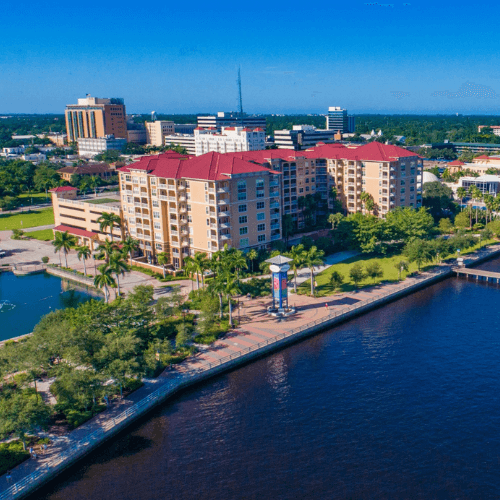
[(302, 137), (338, 120), (223, 119), (180, 205), (95, 117), (89, 146), (157, 131), (229, 140), (185, 141)]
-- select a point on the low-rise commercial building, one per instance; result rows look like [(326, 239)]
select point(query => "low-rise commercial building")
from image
[(224, 119), (487, 184), (157, 131), (101, 170), (302, 137), (89, 146), (185, 141), (229, 140)]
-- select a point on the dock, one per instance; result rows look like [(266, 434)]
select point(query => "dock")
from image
[(478, 274)]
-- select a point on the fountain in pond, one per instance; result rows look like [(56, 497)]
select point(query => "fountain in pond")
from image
[(6, 305)]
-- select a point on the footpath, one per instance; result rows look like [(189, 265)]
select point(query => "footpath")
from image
[(257, 335)]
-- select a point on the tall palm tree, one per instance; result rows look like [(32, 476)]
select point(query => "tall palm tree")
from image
[(129, 245), (477, 195), (232, 288), (163, 259), (104, 279), (109, 220), (252, 256), (461, 193), (117, 265), (313, 257), (107, 248), (83, 252), (367, 200), (65, 242), (218, 287), (489, 201), (234, 259), (335, 219), (297, 254), (189, 268), (200, 263)]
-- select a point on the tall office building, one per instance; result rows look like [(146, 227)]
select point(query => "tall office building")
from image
[(224, 119), (157, 131), (94, 117), (338, 120)]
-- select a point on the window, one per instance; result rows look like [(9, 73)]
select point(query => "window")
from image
[(153, 181), (261, 216), (188, 208), (208, 222), (187, 184), (243, 242), (242, 190), (156, 215), (261, 205), (155, 203), (157, 236), (261, 227), (301, 190), (403, 183), (191, 241), (403, 190), (243, 219), (243, 230), (307, 189), (157, 225), (190, 219), (242, 208), (206, 210), (158, 246), (259, 186), (261, 238), (135, 180)]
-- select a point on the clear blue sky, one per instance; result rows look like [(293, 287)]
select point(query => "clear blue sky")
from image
[(182, 57)]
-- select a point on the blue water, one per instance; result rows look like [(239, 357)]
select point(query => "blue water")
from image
[(25, 299), (403, 402)]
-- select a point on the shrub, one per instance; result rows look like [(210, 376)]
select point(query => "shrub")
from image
[(45, 260), (11, 454), (17, 234), (76, 417)]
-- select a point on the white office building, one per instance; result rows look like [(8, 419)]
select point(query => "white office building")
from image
[(302, 137), (184, 140), (229, 140), (91, 146)]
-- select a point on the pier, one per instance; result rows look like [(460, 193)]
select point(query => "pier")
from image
[(478, 275)]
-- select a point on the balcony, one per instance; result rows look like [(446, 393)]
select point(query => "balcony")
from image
[(172, 209), (274, 184), (392, 186), (222, 190), (185, 243), (223, 202), (211, 190), (225, 237), (163, 197), (274, 193), (221, 214), (184, 232), (172, 198), (275, 226), (275, 237), (183, 210), (181, 187), (174, 233), (182, 198), (225, 225), (274, 205)]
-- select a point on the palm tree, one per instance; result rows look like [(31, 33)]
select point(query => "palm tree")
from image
[(163, 259), (84, 252), (367, 200), (107, 248), (118, 266), (129, 245), (200, 264), (489, 201), (64, 241), (189, 268), (252, 256), (104, 279), (313, 257), (234, 259), (232, 288), (335, 219), (461, 193), (297, 254), (218, 287), (94, 182), (109, 220)]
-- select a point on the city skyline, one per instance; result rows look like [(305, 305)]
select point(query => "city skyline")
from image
[(402, 59)]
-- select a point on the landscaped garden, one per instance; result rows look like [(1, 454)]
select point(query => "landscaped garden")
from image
[(29, 218)]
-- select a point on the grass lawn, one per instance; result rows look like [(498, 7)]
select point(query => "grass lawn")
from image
[(42, 235), (37, 198), (102, 201), (31, 218), (386, 263)]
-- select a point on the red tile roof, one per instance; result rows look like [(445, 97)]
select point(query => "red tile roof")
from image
[(210, 166), (456, 163), (482, 157), (76, 231), (62, 188)]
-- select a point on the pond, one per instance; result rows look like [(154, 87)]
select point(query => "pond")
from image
[(25, 299)]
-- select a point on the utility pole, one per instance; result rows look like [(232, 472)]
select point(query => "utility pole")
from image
[(240, 99)]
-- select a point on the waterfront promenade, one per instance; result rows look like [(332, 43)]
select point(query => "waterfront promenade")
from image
[(257, 335)]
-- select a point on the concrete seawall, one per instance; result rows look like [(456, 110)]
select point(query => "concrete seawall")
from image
[(170, 388)]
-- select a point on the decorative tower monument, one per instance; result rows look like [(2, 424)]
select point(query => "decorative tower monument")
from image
[(279, 283)]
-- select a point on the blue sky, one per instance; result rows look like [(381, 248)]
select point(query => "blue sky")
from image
[(295, 57)]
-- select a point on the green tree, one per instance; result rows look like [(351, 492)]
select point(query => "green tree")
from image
[(65, 242), (417, 250), (401, 265), (200, 265), (287, 227), (104, 279), (23, 413), (119, 266), (461, 193), (110, 220), (357, 273), (445, 226), (94, 182), (129, 246), (163, 259), (335, 219), (297, 254), (83, 252), (106, 248), (313, 257), (252, 255), (462, 220), (232, 289), (336, 280), (374, 270)]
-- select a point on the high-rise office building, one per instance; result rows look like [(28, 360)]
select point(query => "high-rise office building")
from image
[(95, 117), (338, 120)]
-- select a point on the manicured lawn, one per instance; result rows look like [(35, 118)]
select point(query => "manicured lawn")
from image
[(386, 263), (42, 235), (37, 198), (32, 218)]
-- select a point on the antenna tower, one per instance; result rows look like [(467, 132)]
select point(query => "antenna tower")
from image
[(240, 99)]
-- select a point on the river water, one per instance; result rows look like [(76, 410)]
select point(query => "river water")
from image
[(25, 299), (403, 402)]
